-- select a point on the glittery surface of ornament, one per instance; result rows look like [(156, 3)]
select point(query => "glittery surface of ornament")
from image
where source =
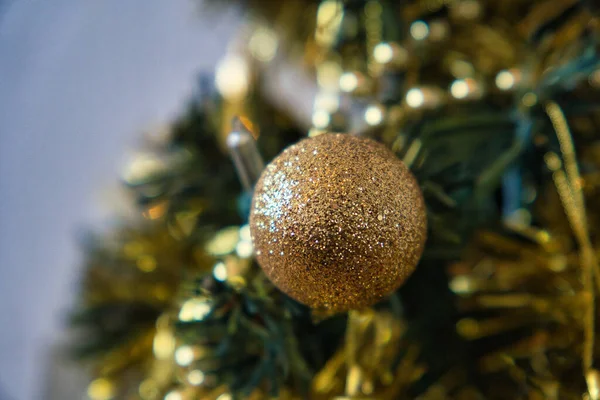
[(337, 221)]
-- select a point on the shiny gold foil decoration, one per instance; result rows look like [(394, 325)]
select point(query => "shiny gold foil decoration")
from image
[(375, 362), (538, 286), (338, 222), (132, 283)]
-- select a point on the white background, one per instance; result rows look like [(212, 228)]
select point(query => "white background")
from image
[(79, 80)]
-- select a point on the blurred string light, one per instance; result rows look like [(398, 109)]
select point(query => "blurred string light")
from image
[(184, 355), (220, 272), (245, 233), (348, 82), (459, 89), (196, 377), (237, 240), (194, 309), (329, 20), (325, 104), (424, 97), (241, 145), (415, 98), (390, 54), (232, 77), (100, 389), (419, 30), (223, 242), (462, 285), (383, 53), (463, 89), (373, 115), (263, 44), (174, 395), (507, 79), (321, 119), (244, 249)]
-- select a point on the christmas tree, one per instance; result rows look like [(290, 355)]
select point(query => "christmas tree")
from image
[(471, 123)]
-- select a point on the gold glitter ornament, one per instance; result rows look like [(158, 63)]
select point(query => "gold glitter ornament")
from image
[(337, 222)]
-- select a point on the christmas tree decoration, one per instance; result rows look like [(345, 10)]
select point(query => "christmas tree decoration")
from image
[(542, 334), (245, 155), (470, 123), (124, 320), (337, 222)]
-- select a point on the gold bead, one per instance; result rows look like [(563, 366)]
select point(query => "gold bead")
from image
[(337, 222)]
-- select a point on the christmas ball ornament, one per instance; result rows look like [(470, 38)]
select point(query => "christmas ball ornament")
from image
[(337, 222)]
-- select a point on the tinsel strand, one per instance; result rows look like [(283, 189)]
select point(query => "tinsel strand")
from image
[(568, 185)]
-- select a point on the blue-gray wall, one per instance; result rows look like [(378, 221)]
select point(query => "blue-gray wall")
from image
[(79, 80)]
